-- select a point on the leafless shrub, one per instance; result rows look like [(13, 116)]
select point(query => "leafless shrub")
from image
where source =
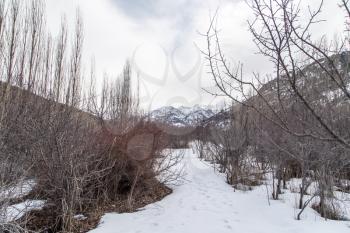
[(298, 119), (84, 149)]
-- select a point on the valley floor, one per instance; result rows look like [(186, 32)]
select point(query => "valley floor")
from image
[(205, 203)]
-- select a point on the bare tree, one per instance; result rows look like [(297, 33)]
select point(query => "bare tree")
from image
[(85, 149), (301, 112)]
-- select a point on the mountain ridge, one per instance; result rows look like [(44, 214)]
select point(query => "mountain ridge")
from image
[(182, 116)]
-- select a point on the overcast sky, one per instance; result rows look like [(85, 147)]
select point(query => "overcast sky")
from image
[(161, 39)]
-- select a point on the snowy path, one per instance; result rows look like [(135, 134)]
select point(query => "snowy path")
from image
[(206, 204)]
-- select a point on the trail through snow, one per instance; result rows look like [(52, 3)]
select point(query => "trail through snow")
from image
[(206, 204)]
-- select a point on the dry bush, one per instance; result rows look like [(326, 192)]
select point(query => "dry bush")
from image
[(85, 149), (229, 148), (329, 211), (299, 118)]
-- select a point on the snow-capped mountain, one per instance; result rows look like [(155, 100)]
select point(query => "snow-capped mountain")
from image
[(182, 116)]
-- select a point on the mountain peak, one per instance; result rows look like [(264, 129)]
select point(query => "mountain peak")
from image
[(182, 116)]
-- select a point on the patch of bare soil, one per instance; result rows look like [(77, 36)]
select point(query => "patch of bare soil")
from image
[(45, 220)]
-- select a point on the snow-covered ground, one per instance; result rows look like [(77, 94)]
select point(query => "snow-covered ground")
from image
[(204, 203), (16, 191), (13, 212), (16, 211)]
